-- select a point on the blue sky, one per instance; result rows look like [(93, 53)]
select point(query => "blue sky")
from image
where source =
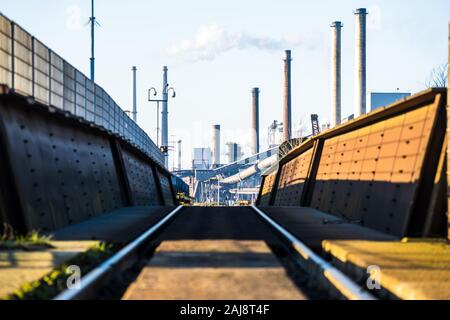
[(217, 51)]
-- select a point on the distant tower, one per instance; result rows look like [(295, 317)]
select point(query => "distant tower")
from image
[(93, 24), (255, 121), (315, 124), (336, 73), (216, 145), (360, 62), (164, 119), (234, 152), (287, 126), (134, 113)]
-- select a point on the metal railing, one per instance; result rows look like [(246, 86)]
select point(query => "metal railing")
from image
[(94, 278), (30, 68), (315, 264)]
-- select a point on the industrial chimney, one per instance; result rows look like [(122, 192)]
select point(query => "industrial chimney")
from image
[(336, 73), (134, 113), (287, 97), (216, 145), (255, 121), (360, 62)]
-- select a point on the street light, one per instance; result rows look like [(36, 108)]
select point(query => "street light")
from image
[(152, 92)]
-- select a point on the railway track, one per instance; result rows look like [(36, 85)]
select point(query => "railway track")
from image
[(244, 223), (99, 276)]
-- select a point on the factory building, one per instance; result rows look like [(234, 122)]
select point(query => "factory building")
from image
[(233, 152), (201, 159)]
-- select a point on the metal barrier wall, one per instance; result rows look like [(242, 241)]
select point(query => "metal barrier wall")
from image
[(179, 185), (28, 67), (382, 170), (448, 136), (58, 169), (292, 178)]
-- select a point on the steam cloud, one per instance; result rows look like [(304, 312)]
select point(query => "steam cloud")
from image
[(213, 40)]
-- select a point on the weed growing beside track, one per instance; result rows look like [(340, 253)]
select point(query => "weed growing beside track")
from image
[(55, 281)]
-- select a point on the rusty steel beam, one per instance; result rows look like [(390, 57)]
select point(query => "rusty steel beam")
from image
[(124, 181)]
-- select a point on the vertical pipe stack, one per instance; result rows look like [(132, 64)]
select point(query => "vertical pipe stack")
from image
[(216, 145), (255, 121), (360, 62), (164, 120), (287, 97), (336, 73), (134, 113)]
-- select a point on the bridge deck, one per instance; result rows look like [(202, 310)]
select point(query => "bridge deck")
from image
[(214, 253), (313, 226), (118, 226)]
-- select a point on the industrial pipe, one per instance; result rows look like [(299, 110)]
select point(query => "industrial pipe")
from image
[(254, 169)]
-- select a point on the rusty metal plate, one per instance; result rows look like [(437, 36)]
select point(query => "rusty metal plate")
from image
[(166, 189), (64, 174), (370, 175), (141, 179), (292, 179), (267, 189)]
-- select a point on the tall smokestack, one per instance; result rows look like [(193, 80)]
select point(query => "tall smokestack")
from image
[(134, 113), (216, 144), (287, 127), (336, 73), (360, 62), (255, 121)]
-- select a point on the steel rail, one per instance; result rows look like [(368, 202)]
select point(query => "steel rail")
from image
[(347, 287), (107, 266)]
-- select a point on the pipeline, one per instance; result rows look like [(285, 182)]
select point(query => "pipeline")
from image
[(254, 169)]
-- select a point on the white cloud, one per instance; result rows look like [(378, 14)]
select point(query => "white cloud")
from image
[(213, 40)]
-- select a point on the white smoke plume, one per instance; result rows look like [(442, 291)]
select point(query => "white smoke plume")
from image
[(213, 40)]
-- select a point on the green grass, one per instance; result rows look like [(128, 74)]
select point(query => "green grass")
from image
[(10, 240), (54, 282)]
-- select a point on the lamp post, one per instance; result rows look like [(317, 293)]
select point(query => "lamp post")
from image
[(152, 92)]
